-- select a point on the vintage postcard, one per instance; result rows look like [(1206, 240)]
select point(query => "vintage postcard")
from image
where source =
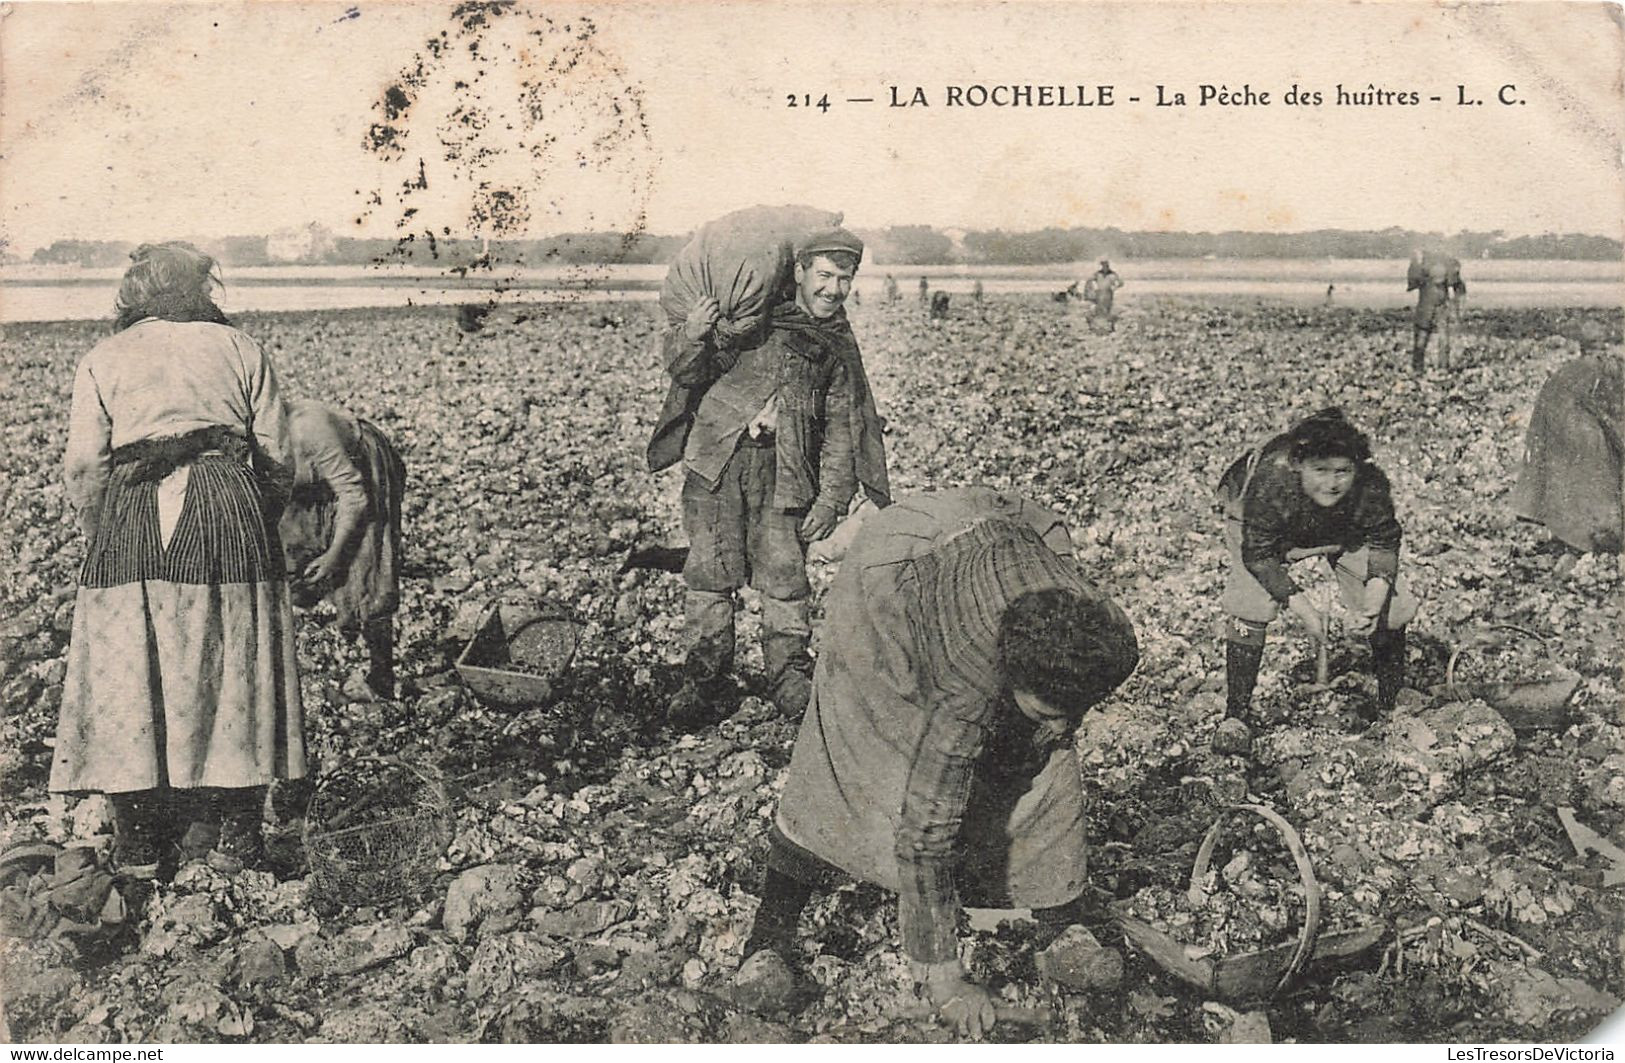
[(743, 522)]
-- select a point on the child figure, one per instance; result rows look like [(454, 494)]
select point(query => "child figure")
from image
[(1312, 491)]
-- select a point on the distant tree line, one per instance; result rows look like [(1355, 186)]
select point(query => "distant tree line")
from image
[(918, 245)]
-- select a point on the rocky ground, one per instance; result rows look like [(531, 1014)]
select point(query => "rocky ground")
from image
[(597, 882)]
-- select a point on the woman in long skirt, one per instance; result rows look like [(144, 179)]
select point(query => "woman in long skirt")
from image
[(181, 701)]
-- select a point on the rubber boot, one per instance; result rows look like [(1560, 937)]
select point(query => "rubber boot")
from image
[(1388, 662), (786, 639), (379, 636), (783, 898), (710, 658), (1241, 664)]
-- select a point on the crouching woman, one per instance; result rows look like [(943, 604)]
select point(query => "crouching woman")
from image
[(1312, 491), (936, 759), (181, 701)]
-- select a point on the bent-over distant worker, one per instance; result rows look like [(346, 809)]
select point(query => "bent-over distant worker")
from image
[(936, 756), (342, 528)]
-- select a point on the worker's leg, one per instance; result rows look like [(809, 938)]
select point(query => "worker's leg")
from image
[(1388, 641), (240, 812), (140, 818), (1388, 662), (709, 616), (1243, 657), (778, 571), (1419, 345), (714, 521), (1248, 609), (792, 875), (786, 639), (379, 635)]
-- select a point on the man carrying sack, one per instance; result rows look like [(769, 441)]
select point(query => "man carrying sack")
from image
[(776, 447)]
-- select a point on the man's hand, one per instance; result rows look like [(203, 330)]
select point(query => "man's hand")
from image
[(819, 522), (1364, 622), (1310, 617), (702, 319), (966, 1005)]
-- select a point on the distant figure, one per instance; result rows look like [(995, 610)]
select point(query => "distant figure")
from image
[(1329, 289), (1571, 479), (857, 297), (939, 306), (1101, 290), (925, 292), (1436, 278), (471, 317), (976, 291), (891, 289)]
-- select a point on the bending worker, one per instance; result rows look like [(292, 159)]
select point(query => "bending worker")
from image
[(342, 528), (1312, 491), (936, 757)]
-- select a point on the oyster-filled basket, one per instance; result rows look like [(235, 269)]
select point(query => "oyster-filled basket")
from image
[(1264, 972), (519, 653)]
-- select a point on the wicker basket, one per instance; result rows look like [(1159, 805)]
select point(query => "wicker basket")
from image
[(375, 831), (1250, 975), (519, 654), (1527, 704)]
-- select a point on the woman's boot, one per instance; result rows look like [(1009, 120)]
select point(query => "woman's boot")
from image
[(138, 835), (242, 836)]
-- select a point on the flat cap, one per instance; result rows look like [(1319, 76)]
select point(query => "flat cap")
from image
[(830, 240)]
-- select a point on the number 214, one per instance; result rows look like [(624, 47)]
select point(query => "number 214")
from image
[(805, 100)]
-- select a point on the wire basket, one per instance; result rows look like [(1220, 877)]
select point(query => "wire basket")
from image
[(375, 830)]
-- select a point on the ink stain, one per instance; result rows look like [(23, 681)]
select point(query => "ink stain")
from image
[(509, 125)]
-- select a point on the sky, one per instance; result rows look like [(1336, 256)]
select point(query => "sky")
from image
[(147, 121)]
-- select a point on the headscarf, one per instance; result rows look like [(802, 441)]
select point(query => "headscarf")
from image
[(170, 281)]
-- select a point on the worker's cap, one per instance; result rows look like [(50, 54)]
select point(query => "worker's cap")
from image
[(1103, 262), (830, 240)]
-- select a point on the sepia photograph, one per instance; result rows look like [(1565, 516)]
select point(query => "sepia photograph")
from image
[(925, 522)]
